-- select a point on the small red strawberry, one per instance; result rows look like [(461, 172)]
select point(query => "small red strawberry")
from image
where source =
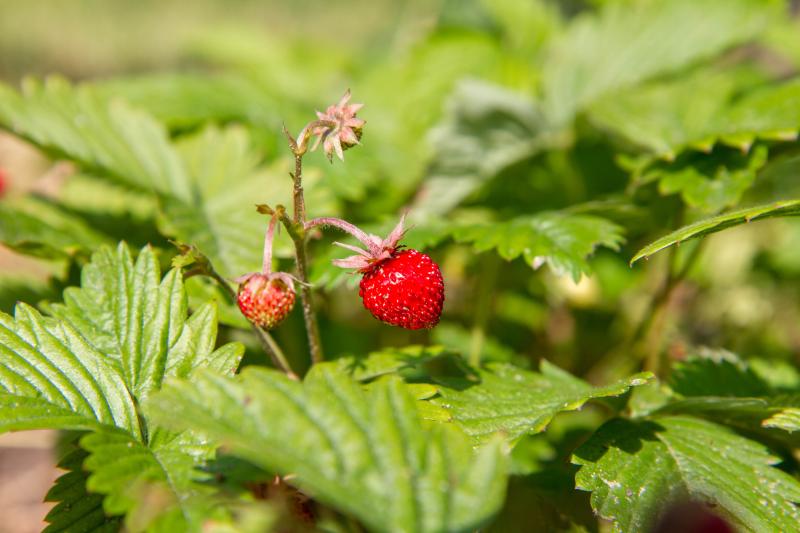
[(266, 299), (402, 287)]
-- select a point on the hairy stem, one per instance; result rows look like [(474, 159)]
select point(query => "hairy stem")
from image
[(274, 351), (266, 265), (297, 232), (268, 343), (312, 328), (346, 227)]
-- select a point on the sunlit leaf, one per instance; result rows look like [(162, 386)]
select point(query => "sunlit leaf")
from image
[(90, 366), (504, 398), (365, 453), (628, 43), (636, 470), (40, 228), (562, 241), (783, 208)]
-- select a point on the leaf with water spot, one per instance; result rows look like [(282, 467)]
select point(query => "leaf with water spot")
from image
[(637, 469), (506, 399)]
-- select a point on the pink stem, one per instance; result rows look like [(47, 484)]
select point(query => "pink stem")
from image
[(266, 265), (347, 228)]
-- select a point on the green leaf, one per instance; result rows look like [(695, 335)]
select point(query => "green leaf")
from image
[(516, 402), (668, 116), (486, 129), (388, 361), (141, 321), (186, 100), (562, 240), (783, 208), (40, 228), (207, 184), (121, 467), (695, 112), (787, 419), (227, 182), (364, 453), (637, 469), (716, 373), (724, 389), (709, 182), (76, 509), (105, 350), (753, 414), (602, 53), (110, 138), (53, 377)]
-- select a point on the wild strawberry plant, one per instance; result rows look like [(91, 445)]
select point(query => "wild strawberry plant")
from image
[(225, 348)]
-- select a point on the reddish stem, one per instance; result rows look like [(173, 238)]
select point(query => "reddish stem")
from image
[(347, 228), (266, 265)]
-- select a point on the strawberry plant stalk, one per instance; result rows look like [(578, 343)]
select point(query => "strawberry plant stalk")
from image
[(296, 231)]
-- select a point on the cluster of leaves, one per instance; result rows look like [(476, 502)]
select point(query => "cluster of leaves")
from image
[(522, 133)]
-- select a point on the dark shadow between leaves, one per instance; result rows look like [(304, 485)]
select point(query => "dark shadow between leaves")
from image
[(626, 435)]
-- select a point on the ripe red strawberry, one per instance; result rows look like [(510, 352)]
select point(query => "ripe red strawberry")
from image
[(402, 287), (405, 290), (266, 299)]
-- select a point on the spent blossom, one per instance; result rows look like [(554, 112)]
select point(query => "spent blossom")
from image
[(338, 128)]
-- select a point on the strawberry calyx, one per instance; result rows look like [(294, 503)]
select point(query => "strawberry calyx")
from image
[(376, 249)]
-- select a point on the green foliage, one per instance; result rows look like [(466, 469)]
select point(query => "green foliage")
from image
[(636, 468), (140, 322), (191, 178), (515, 402), (710, 183), (486, 128), (366, 453), (563, 241), (388, 361), (111, 343), (783, 208), (599, 54), (716, 374), (49, 378), (42, 229), (110, 137), (696, 112), (219, 219), (76, 509), (185, 100), (724, 389)]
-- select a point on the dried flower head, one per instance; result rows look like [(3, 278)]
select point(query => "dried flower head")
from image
[(338, 128)]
